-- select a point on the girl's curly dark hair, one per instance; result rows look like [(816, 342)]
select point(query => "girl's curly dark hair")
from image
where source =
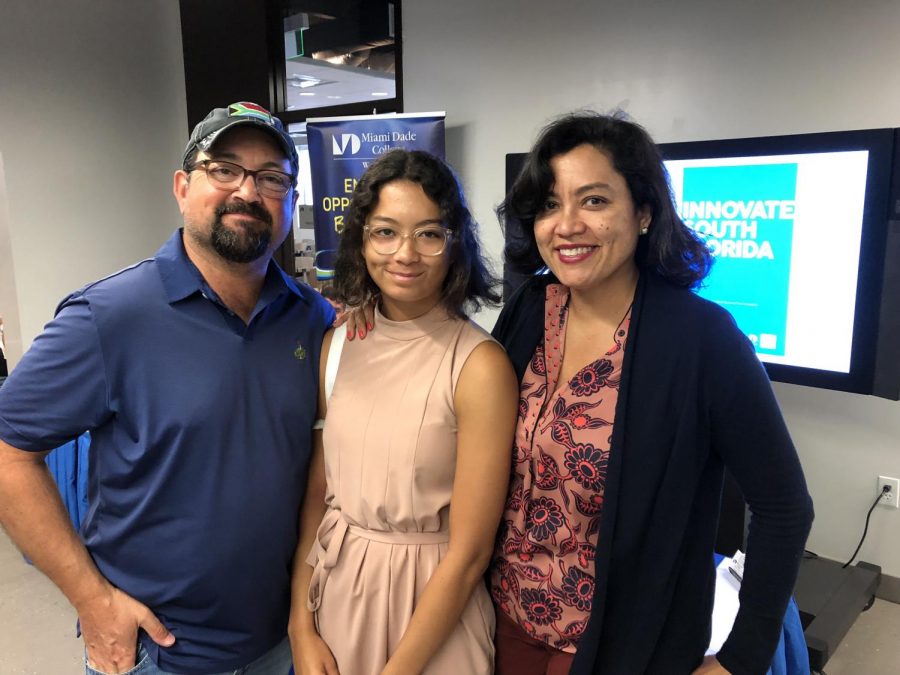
[(469, 283)]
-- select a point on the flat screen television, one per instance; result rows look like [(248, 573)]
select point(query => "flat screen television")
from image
[(805, 232)]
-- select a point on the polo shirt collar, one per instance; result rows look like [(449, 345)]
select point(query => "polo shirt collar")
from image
[(181, 278)]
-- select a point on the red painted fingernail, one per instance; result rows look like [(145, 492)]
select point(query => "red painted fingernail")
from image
[(370, 325), (361, 333)]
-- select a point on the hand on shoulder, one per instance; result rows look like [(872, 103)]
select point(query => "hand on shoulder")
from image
[(358, 320)]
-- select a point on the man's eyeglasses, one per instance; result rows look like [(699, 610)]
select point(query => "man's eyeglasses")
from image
[(230, 176), (428, 241)]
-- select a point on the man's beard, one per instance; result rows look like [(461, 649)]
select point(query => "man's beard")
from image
[(244, 241)]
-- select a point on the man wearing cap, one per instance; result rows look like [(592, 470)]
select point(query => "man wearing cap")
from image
[(195, 372)]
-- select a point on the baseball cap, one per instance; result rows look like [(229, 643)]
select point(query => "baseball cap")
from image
[(220, 119)]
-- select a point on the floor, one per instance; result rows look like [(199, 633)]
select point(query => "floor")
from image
[(37, 629), (38, 624)]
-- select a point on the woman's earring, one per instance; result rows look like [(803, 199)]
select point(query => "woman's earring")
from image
[(644, 230)]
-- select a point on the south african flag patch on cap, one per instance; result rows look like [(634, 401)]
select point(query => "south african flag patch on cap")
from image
[(250, 110)]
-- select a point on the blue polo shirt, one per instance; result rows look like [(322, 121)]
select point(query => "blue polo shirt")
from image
[(200, 440)]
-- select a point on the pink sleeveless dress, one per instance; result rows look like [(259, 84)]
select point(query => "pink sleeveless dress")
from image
[(390, 459)]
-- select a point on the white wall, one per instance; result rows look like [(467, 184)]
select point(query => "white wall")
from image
[(692, 70), (10, 333), (92, 125)]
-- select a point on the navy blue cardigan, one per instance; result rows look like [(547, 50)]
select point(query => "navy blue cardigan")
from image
[(694, 398)]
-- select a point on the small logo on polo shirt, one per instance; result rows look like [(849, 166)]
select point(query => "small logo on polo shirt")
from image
[(300, 352)]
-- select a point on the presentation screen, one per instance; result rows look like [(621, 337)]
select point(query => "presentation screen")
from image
[(785, 232), (797, 226)]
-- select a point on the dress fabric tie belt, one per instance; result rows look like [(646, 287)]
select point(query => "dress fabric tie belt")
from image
[(330, 538)]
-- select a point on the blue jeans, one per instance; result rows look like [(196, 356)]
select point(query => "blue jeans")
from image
[(276, 661)]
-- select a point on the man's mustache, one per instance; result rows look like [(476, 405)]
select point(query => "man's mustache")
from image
[(245, 209)]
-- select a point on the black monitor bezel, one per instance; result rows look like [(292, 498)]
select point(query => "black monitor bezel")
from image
[(879, 144)]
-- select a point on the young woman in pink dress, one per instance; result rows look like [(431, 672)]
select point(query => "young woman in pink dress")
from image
[(408, 480)]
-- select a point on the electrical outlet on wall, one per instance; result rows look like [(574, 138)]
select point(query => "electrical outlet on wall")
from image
[(890, 499)]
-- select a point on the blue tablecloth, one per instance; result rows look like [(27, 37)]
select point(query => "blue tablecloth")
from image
[(791, 656), (69, 465)]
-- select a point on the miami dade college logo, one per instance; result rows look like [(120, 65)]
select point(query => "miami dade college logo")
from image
[(340, 146)]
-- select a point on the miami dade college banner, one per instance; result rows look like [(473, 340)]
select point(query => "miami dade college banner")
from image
[(341, 149)]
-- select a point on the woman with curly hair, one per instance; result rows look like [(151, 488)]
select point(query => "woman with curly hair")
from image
[(406, 485), (635, 394)]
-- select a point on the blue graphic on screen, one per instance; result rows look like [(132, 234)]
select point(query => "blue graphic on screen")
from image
[(745, 214)]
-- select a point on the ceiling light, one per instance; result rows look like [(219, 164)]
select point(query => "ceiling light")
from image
[(304, 81), (307, 93), (333, 97), (379, 93)]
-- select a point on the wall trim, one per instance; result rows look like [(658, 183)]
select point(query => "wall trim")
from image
[(889, 588)]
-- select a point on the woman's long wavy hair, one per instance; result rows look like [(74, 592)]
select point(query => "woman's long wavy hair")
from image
[(670, 248), (469, 283)]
